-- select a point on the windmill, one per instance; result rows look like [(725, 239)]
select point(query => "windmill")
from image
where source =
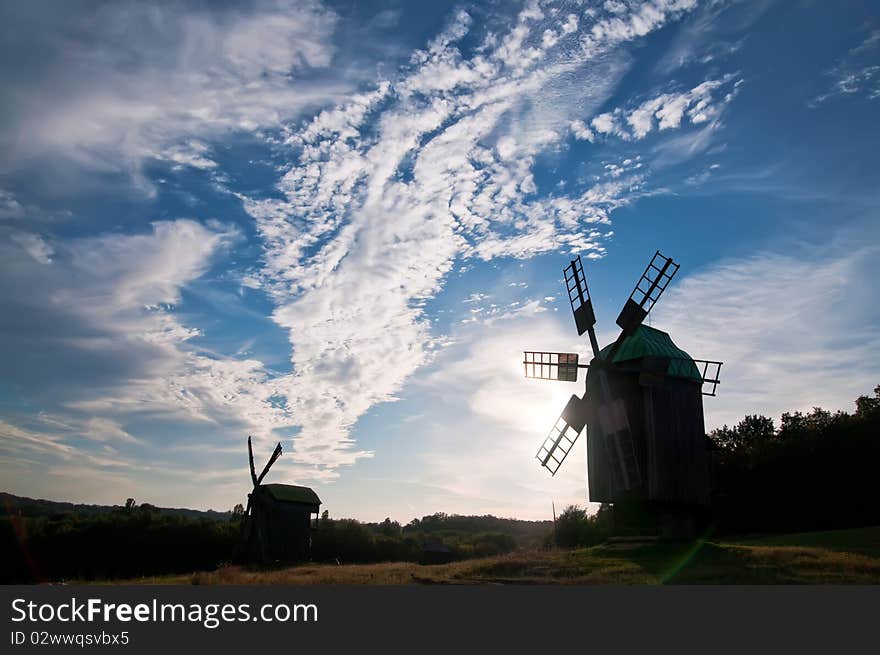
[(278, 520), (642, 405)]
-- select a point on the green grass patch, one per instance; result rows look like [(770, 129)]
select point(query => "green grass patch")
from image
[(835, 557)]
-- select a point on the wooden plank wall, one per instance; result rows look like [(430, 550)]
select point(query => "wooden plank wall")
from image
[(669, 437), (677, 461)]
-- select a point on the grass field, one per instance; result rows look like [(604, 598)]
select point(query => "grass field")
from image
[(836, 557)]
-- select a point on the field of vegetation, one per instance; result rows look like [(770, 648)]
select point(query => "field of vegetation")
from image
[(834, 557)]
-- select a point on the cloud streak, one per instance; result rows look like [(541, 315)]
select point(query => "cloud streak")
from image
[(855, 73), (152, 81), (388, 190), (95, 330)]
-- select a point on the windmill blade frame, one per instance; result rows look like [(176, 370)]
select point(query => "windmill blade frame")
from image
[(647, 291), (563, 435), (275, 455), (580, 301), (579, 295), (711, 374), (545, 365), (251, 462)]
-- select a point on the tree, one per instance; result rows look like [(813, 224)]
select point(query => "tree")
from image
[(573, 527), (238, 510), (389, 528), (796, 424), (748, 433), (867, 406), (129, 504), (755, 429)]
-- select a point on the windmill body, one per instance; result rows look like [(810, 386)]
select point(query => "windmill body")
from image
[(661, 390), (642, 407), (279, 519)]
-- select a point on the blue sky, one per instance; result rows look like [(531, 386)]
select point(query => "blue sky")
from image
[(339, 224)]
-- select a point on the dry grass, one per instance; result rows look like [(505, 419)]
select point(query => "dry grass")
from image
[(699, 562)]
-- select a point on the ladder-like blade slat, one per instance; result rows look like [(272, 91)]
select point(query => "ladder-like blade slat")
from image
[(579, 295), (710, 371), (556, 446), (657, 276), (563, 435), (551, 365)]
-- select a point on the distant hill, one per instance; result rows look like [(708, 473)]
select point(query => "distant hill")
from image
[(37, 507)]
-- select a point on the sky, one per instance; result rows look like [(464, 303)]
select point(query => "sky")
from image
[(338, 225)]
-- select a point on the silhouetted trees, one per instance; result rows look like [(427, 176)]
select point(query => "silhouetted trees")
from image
[(817, 471), (48, 543), (574, 527), (349, 541), (127, 543)]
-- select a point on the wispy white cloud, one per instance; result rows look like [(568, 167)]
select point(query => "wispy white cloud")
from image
[(854, 73), (34, 245), (106, 305), (582, 132), (10, 207), (794, 331), (153, 81), (15, 440), (711, 33), (389, 189), (702, 104)]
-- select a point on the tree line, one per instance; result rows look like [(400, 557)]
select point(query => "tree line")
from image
[(817, 470), (39, 543)]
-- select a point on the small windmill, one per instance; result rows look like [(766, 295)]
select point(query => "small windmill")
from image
[(278, 520), (642, 405)]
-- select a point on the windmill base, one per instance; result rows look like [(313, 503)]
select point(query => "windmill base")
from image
[(657, 520)]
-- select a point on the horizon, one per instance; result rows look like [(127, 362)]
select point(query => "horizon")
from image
[(330, 516), (337, 227)]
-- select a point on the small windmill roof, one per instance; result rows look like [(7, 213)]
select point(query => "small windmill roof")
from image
[(647, 341), (290, 493)]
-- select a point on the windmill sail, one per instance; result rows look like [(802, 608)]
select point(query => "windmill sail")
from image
[(657, 276), (551, 365), (563, 435), (711, 373), (579, 295), (275, 456), (581, 304), (251, 461)]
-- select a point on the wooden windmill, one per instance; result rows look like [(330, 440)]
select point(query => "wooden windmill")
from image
[(642, 405), (279, 517)]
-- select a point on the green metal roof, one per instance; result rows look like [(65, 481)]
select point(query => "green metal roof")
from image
[(290, 493), (647, 341)]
